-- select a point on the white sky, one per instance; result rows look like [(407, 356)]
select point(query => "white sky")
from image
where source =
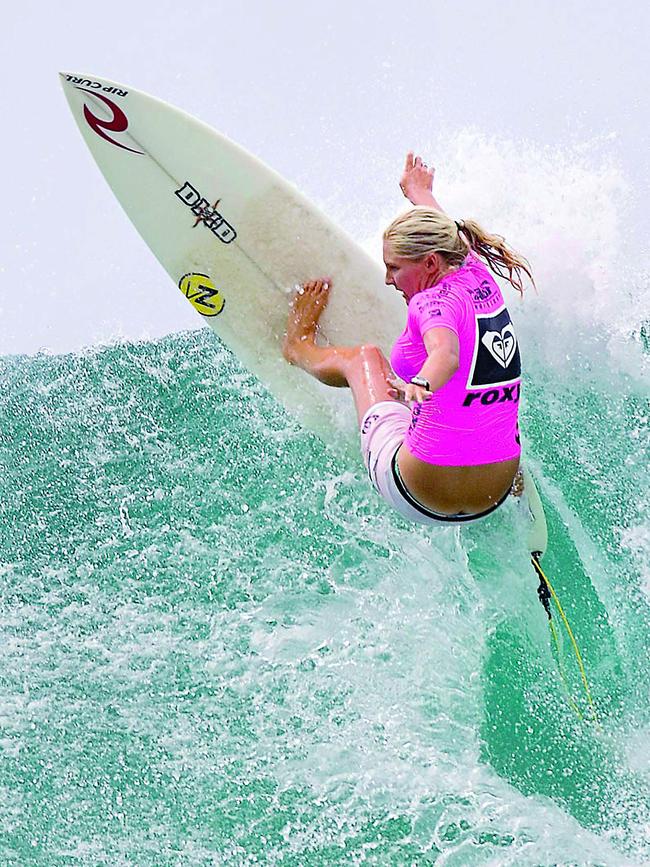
[(331, 95)]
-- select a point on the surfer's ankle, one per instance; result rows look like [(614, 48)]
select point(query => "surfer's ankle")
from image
[(294, 345)]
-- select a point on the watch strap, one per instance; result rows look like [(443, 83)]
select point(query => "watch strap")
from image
[(423, 383)]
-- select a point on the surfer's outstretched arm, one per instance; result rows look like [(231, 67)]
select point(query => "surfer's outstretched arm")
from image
[(417, 183)]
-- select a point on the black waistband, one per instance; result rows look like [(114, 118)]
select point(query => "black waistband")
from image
[(437, 516)]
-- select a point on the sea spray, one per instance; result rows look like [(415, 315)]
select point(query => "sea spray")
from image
[(219, 646)]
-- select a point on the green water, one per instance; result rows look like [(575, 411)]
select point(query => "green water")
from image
[(219, 647)]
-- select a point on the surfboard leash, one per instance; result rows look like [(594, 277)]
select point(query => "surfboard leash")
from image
[(546, 592)]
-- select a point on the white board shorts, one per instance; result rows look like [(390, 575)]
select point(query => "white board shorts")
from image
[(383, 430)]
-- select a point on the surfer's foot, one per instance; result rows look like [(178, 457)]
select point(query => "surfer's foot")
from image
[(363, 368), (326, 363), (305, 310)]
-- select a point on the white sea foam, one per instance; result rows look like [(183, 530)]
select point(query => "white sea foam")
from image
[(565, 209)]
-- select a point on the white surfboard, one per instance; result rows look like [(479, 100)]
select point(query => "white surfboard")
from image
[(235, 237)]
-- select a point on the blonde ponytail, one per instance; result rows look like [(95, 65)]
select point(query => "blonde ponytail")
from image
[(504, 261), (423, 230)]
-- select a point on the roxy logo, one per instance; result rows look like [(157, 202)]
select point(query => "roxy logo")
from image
[(206, 213), (494, 395), (118, 122), (501, 344)]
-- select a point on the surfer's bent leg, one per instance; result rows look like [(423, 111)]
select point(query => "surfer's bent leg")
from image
[(363, 368)]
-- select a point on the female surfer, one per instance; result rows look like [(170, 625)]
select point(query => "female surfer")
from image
[(442, 444)]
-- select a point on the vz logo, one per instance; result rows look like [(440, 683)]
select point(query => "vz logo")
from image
[(117, 123), (496, 359), (202, 294)]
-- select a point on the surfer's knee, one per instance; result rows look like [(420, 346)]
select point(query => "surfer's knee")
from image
[(372, 357), (366, 363), (352, 358)]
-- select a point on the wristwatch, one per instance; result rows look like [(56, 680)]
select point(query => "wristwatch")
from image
[(423, 383)]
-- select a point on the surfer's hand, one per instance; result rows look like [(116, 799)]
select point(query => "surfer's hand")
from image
[(406, 392), (415, 393), (417, 181), (396, 389)]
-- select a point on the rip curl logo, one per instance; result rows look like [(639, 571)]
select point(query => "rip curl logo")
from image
[(501, 344), (202, 294), (496, 360), (206, 213), (95, 85), (118, 122)]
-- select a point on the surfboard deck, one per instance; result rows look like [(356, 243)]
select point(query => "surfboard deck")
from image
[(236, 238)]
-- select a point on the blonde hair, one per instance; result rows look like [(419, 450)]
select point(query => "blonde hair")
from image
[(423, 230)]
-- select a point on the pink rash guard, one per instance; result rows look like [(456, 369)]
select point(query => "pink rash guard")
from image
[(472, 419)]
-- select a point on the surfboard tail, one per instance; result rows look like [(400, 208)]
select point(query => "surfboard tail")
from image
[(538, 531)]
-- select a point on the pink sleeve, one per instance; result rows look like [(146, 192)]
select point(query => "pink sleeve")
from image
[(435, 308)]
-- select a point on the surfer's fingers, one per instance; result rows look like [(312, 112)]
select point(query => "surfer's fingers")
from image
[(416, 393), (396, 388), (409, 161)]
